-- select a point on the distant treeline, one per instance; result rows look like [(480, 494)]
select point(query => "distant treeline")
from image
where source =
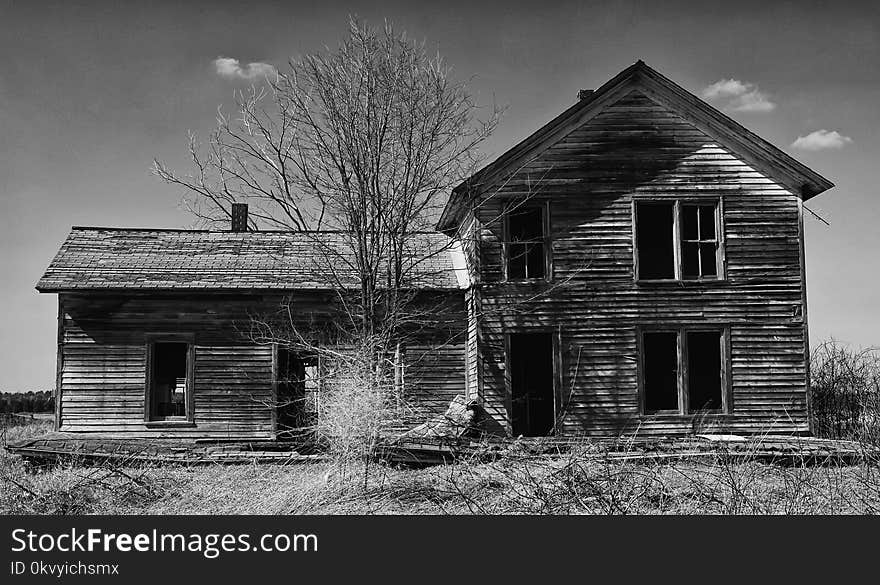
[(41, 401)]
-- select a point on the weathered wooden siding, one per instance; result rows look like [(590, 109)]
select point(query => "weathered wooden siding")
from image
[(472, 354), (435, 374), (638, 147), (468, 235), (102, 359), (104, 365)]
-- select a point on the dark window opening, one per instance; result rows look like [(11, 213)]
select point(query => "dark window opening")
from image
[(661, 371), (298, 393), (665, 355), (689, 251), (169, 380), (655, 240), (532, 410), (704, 370), (525, 243)]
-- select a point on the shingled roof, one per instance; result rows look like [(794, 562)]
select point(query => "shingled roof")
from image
[(110, 258)]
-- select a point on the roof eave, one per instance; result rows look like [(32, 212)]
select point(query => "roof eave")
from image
[(228, 290), (803, 180), (447, 221)]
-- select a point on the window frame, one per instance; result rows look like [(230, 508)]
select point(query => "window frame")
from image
[(682, 377), (544, 207), (151, 339), (678, 239)]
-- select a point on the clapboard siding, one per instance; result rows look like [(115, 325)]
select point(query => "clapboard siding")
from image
[(103, 346), (434, 375), (635, 148), (468, 235), (472, 354), (103, 377)]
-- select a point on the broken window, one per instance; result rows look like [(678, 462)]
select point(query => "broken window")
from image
[(655, 229), (699, 245), (525, 244), (169, 381), (704, 370), (660, 361), (682, 371), (677, 240)]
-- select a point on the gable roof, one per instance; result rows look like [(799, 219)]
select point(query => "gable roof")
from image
[(93, 258), (761, 154)]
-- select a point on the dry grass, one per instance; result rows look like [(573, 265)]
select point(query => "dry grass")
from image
[(580, 482)]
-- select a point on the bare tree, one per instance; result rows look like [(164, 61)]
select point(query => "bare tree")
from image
[(366, 140)]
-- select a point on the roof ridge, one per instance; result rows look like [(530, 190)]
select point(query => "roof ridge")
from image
[(143, 259), (203, 231)]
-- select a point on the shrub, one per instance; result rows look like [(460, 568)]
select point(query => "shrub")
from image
[(845, 391)]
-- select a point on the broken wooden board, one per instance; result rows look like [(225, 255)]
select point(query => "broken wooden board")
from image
[(772, 449), (57, 446)]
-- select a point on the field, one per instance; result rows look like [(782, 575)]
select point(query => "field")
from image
[(574, 483)]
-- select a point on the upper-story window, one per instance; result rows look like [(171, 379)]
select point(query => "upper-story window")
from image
[(525, 243), (678, 240)]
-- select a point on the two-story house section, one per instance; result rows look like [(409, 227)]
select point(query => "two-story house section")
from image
[(637, 264)]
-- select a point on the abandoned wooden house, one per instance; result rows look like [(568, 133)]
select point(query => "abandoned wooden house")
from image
[(636, 265)]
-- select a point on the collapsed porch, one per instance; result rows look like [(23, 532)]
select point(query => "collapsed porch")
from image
[(773, 449)]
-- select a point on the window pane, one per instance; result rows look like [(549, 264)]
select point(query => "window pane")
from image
[(689, 222), (708, 266), (660, 361), (707, 222), (704, 370), (516, 261), (168, 380), (535, 261), (654, 238), (312, 391), (690, 261), (526, 225)]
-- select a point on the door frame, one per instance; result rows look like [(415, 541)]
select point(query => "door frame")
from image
[(556, 363)]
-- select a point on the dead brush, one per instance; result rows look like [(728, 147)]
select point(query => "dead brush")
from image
[(79, 486), (845, 392), (581, 479), (616, 478)]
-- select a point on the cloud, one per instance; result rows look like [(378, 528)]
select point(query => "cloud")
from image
[(725, 88), (739, 96), (821, 140), (232, 69)]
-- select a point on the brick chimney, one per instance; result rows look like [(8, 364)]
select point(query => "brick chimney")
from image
[(239, 217), (584, 94)]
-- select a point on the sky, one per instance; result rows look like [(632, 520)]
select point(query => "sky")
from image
[(92, 92)]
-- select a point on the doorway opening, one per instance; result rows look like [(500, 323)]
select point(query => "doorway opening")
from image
[(532, 403), (297, 401)]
